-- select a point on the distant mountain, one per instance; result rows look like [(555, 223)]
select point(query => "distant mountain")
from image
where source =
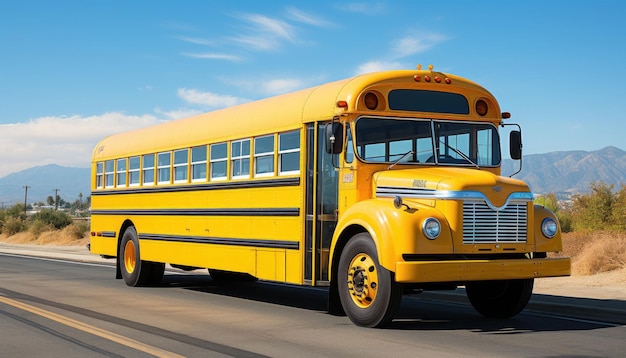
[(572, 171), (42, 181), (556, 172)]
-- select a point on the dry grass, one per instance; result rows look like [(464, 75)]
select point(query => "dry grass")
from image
[(594, 253), (65, 237)]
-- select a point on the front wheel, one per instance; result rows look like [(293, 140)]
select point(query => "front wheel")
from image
[(499, 299), (368, 292), (136, 272)]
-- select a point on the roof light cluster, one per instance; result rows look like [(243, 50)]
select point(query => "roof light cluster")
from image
[(428, 78)]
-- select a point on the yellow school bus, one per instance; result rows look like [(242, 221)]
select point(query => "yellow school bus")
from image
[(373, 186)]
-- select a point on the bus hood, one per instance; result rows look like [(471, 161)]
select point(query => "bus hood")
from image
[(449, 183)]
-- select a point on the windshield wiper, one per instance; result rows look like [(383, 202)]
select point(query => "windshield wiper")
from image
[(460, 153), (398, 161)]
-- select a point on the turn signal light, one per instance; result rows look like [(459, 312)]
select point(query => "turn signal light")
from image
[(342, 104)]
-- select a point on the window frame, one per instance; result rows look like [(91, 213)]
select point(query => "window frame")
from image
[(184, 165), (99, 175), (120, 172), (109, 174), (264, 155), (282, 152), (150, 169), (199, 162), (240, 162), (213, 161), (132, 171), (164, 168)]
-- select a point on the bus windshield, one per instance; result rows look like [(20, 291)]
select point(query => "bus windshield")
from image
[(386, 140)]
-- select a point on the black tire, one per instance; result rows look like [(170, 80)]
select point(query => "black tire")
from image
[(499, 299), (229, 276), (368, 292), (136, 272)]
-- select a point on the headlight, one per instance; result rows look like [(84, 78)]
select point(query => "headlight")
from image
[(431, 228), (549, 227)]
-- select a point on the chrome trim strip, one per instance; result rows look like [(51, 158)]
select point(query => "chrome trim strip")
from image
[(416, 193)]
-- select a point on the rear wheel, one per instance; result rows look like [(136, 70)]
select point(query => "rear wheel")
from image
[(368, 292), (136, 272), (499, 299)]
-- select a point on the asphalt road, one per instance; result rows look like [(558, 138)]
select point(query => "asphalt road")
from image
[(57, 308)]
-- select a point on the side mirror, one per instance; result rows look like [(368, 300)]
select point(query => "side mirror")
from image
[(334, 138), (515, 145)]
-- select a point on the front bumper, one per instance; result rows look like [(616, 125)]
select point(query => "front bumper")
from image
[(479, 270)]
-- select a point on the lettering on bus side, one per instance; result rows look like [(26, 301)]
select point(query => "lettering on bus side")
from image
[(419, 183)]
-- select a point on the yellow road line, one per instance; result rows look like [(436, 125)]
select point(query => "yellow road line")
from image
[(157, 352)]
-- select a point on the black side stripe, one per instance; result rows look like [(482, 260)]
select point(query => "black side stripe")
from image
[(204, 212), (274, 244), (270, 183)]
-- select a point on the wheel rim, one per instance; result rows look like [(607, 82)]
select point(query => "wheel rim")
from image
[(363, 280), (130, 257)]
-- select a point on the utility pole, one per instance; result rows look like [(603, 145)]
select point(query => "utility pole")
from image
[(56, 199), (25, 196)]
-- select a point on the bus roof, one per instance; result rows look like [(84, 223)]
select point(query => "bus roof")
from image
[(260, 117)]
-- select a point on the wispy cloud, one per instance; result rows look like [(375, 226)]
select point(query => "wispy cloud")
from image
[(375, 66), (278, 86), (267, 25), (402, 48), (209, 99), (67, 141), (215, 56), (196, 40), (412, 44), (264, 33), (300, 16), (362, 8)]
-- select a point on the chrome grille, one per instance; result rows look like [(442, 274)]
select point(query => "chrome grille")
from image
[(484, 225)]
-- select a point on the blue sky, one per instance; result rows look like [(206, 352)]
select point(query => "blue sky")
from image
[(73, 72)]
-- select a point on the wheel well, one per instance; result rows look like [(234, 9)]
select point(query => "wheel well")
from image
[(334, 304), (347, 233), (125, 225)]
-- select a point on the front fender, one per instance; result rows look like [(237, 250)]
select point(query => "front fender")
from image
[(394, 231), (542, 243)]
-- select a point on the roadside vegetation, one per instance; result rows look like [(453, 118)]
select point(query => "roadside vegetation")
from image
[(44, 227), (593, 225)]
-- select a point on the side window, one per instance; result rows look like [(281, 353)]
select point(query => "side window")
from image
[(164, 161), (121, 173), (264, 156), (349, 156), (181, 159), (100, 175), (289, 153), (219, 154), (133, 171), (109, 173), (198, 164), (240, 158), (148, 169)]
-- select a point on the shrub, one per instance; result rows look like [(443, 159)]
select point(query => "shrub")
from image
[(39, 226), (13, 225), (58, 219), (78, 229)]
